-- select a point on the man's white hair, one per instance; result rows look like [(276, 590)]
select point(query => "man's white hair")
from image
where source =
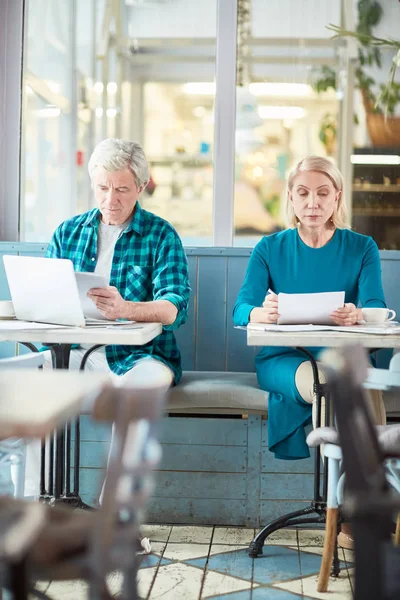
[(115, 155)]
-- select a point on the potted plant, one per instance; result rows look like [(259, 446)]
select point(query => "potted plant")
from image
[(383, 126), (327, 133)]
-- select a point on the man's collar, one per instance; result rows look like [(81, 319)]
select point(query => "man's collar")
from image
[(136, 224)]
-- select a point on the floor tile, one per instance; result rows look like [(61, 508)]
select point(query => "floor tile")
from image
[(245, 595), (349, 556), (233, 535), (191, 535), (177, 582), (311, 537), (156, 533), (282, 537), (319, 550), (278, 563), (235, 563), (271, 593), (185, 552), (145, 580), (68, 590), (220, 548), (216, 583), (339, 588)]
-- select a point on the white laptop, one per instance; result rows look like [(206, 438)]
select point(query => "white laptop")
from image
[(48, 290)]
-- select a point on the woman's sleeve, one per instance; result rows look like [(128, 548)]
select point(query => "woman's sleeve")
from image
[(255, 286), (370, 290)]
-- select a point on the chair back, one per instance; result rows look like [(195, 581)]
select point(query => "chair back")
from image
[(367, 499), (134, 453), (362, 456)]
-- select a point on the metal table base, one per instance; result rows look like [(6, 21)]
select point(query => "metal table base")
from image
[(317, 507), (55, 464)]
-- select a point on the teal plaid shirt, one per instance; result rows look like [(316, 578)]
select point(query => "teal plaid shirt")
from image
[(149, 263)]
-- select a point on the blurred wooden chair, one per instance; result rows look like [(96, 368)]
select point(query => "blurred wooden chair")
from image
[(370, 475), (89, 545), (13, 450)]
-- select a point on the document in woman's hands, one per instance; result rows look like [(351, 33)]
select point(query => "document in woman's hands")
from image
[(308, 308)]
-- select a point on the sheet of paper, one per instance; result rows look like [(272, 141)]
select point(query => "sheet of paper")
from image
[(272, 327), (296, 309), (86, 281), (374, 329)]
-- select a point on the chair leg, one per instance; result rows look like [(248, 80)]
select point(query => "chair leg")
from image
[(397, 533), (329, 547)]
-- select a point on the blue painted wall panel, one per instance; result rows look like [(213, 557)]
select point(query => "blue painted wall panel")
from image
[(186, 335), (240, 357), (289, 486), (195, 457), (197, 511), (211, 314), (273, 509), (171, 484), (192, 430)]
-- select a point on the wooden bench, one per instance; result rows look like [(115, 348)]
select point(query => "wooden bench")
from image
[(216, 466)]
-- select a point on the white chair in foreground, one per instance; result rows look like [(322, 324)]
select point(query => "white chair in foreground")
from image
[(13, 450)]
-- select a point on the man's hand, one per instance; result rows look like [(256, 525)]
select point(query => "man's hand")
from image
[(347, 315), (109, 302)]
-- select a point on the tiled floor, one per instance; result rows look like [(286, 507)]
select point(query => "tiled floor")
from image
[(195, 563)]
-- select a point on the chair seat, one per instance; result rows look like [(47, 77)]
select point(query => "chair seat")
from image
[(217, 392), (388, 436)]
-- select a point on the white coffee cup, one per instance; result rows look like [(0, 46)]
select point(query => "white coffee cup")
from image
[(378, 315), (6, 308)]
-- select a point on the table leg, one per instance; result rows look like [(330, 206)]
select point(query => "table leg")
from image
[(318, 504), (60, 445)]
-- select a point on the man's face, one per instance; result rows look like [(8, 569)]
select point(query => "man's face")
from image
[(116, 194)]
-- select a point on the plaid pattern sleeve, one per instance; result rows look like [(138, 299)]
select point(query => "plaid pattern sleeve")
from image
[(149, 263)]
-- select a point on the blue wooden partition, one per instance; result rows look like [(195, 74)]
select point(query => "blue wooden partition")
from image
[(214, 470)]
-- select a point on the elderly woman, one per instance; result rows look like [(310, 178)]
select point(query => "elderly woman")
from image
[(319, 253)]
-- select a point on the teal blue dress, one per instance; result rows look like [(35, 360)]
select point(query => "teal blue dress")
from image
[(284, 263)]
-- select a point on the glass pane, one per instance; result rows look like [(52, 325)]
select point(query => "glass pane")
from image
[(280, 118), (46, 186), (47, 194), (172, 68)]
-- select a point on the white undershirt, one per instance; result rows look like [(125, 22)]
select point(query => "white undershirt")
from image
[(107, 235)]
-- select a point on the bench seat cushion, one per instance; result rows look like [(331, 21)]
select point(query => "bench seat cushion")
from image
[(215, 392)]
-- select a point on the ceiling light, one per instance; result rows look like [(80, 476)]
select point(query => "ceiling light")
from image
[(111, 113), (281, 112), (112, 87), (98, 87), (99, 112), (203, 88), (375, 159), (199, 111), (280, 89), (53, 85), (49, 112)]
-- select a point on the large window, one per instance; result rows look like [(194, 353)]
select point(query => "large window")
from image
[(151, 71)]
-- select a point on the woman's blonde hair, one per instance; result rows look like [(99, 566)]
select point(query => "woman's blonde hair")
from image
[(326, 167)]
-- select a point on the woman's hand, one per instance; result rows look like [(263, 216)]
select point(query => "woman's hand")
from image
[(347, 315), (268, 313)]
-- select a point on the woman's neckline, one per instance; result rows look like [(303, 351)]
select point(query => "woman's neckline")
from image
[(318, 247)]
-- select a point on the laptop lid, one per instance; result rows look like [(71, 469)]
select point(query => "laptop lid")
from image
[(44, 290)]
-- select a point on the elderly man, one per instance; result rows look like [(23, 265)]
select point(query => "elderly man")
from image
[(142, 257)]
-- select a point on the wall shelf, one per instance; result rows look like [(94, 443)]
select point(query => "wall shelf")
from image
[(375, 187), (370, 212)]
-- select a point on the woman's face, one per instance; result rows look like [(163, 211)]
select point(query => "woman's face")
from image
[(314, 199)]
